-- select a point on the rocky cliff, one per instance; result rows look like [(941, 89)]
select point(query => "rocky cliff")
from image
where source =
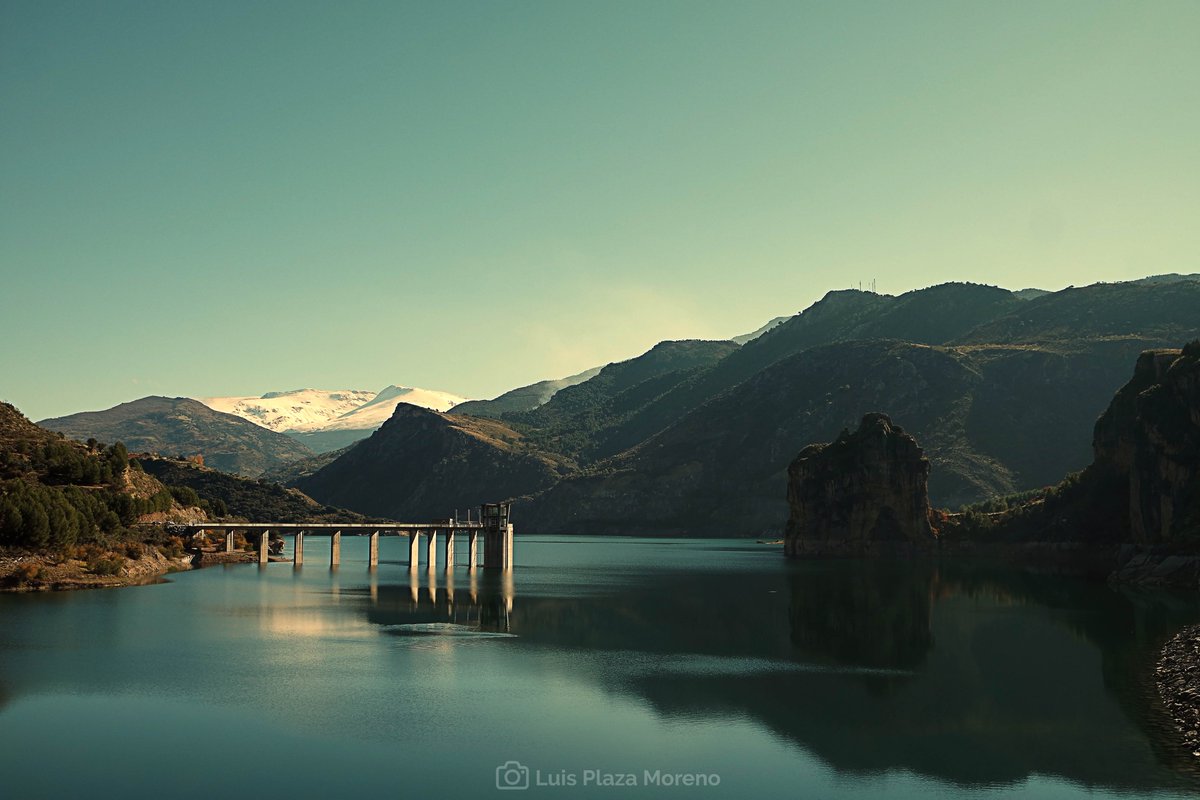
[(867, 493), (1150, 438)]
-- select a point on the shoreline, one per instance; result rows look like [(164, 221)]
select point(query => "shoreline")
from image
[(1177, 678), (45, 572), (22, 573)]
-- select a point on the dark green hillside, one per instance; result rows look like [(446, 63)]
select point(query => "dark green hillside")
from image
[(747, 337), (1141, 488), (252, 500), (423, 465), (184, 427), (1001, 391), (719, 471), (287, 474), (992, 420), (925, 316), (935, 315), (578, 419), (55, 494), (1157, 314), (524, 398), (938, 314)]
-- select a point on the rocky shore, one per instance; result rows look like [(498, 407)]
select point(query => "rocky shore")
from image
[(44, 572), (41, 572), (1177, 676)]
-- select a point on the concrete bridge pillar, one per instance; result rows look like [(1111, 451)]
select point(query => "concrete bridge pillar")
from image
[(373, 550), (263, 552), (498, 548), (472, 550), (298, 549), (414, 549), (431, 550), (335, 549), (449, 550), (228, 541), (506, 557)]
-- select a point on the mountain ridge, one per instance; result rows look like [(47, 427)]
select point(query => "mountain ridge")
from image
[(183, 426)]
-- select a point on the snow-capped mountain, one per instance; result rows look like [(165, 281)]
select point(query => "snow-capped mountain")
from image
[(303, 409), (340, 416), (376, 412)]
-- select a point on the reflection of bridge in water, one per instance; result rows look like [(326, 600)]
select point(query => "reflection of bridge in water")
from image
[(480, 601), (493, 524)]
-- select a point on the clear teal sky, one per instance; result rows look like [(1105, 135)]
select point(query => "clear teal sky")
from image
[(236, 197)]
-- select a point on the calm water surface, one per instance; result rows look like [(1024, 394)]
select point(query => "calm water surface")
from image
[(623, 656)]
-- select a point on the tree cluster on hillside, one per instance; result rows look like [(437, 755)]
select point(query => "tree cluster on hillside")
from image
[(61, 463), (38, 516), (58, 494), (223, 494)]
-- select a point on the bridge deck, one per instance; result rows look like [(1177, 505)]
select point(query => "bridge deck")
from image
[(333, 527)]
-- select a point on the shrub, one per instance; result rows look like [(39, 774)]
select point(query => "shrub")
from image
[(172, 548), (88, 552), (106, 565), (185, 495)]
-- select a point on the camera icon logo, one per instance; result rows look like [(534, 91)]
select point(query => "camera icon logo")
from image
[(512, 775)]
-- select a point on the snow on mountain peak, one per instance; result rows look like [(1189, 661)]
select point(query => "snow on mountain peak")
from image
[(308, 410)]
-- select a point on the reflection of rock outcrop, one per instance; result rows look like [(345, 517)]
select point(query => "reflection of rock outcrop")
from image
[(865, 493), (866, 614), (975, 674), (1030, 675)]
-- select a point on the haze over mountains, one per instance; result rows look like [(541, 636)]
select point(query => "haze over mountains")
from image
[(694, 437)]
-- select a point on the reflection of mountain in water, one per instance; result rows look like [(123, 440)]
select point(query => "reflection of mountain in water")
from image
[(976, 676)]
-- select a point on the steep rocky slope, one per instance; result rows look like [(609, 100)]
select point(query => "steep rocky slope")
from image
[(867, 492), (1142, 488), (1150, 439)]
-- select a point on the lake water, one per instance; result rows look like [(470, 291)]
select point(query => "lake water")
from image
[(714, 661)]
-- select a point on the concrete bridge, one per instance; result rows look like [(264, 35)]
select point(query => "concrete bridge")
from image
[(493, 524)]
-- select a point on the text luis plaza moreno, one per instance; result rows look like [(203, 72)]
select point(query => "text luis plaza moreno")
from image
[(515, 775)]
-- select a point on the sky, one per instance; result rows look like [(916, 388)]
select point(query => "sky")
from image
[(230, 198)]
